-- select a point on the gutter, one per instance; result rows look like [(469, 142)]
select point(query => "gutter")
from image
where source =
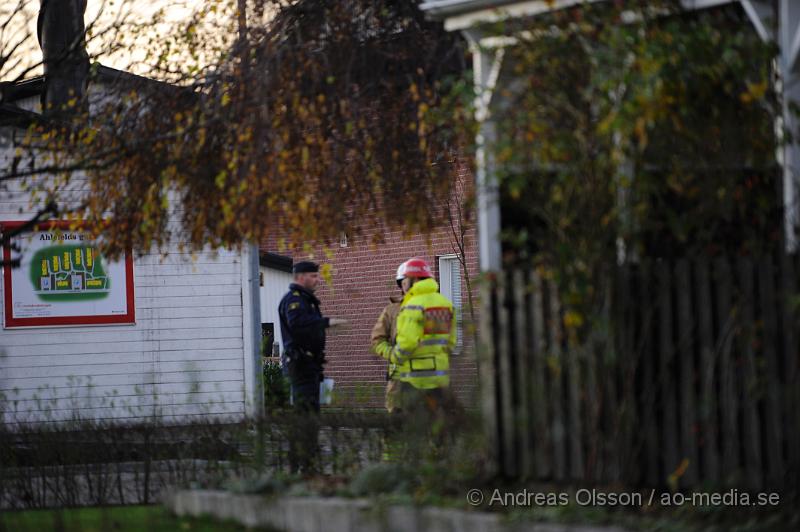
[(448, 8), (11, 91), (11, 115)]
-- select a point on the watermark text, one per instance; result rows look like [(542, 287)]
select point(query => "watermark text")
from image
[(599, 498)]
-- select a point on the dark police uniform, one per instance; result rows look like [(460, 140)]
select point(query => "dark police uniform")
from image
[(303, 331)]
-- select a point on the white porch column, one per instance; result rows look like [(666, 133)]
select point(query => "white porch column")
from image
[(487, 65), (781, 25), (789, 42), (251, 332)]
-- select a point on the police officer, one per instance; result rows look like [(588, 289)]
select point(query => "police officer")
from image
[(303, 330)]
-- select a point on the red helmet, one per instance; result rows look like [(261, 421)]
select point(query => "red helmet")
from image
[(414, 267)]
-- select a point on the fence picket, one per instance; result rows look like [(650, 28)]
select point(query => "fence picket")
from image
[(666, 380), (594, 409), (620, 374), (487, 370), (685, 359), (556, 367), (572, 366), (791, 383), (708, 363), (523, 371), (729, 400), (773, 450), (649, 388), (543, 458), (506, 384), (611, 370), (749, 381)]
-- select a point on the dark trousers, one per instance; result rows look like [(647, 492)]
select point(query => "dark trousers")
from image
[(423, 421), (304, 427)]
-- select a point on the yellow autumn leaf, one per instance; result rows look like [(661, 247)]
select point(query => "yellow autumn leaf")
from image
[(219, 180), (754, 92), (573, 319), (674, 477), (554, 365), (326, 272)]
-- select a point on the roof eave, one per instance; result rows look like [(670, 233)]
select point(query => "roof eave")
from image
[(473, 14), (12, 116), (448, 8)]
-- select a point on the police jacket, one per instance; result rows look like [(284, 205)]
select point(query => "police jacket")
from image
[(426, 335), (302, 324)]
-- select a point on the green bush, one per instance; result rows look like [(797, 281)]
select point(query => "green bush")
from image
[(276, 386)]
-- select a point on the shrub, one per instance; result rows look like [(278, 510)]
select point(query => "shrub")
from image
[(276, 386)]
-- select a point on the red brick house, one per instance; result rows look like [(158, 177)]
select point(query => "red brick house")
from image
[(362, 281)]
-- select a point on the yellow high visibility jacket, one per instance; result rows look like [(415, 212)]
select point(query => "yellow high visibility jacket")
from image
[(426, 335)]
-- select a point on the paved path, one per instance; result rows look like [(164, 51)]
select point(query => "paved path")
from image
[(336, 514)]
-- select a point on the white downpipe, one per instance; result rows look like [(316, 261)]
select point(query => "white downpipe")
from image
[(251, 333)]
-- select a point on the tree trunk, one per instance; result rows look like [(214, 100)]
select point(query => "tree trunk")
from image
[(62, 35)]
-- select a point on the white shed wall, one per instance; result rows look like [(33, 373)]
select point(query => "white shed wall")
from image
[(187, 354)]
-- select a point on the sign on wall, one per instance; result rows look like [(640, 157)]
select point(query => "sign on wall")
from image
[(63, 279)]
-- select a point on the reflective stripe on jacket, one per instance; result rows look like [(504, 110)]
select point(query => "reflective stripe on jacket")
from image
[(426, 335)]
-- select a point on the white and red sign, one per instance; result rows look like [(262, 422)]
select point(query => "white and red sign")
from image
[(63, 279)]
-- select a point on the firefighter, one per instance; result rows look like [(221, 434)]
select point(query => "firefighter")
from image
[(426, 331), (419, 359)]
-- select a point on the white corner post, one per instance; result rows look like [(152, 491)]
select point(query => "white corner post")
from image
[(789, 42), (783, 27), (251, 333), (486, 64)]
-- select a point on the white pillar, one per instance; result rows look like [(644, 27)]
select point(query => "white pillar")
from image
[(789, 42), (781, 26), (251, 333), (486, 65)]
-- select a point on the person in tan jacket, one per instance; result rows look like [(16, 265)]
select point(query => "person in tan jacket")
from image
[(384, 333)]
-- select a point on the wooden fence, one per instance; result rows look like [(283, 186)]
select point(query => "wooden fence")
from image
[(688, 376)]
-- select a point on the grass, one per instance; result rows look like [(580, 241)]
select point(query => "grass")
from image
[(110, 518)]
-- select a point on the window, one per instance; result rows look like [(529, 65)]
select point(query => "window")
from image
[(268, 344), (450, 287)]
